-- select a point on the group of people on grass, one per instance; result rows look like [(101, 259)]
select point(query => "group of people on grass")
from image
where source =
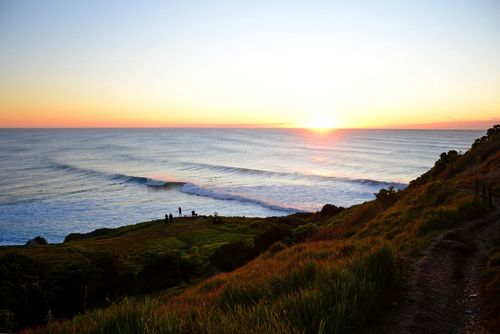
[(169, 218)]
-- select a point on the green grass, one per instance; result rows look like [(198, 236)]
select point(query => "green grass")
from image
[(192, 236)]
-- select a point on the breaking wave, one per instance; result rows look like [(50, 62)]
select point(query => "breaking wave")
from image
[(193, 189)]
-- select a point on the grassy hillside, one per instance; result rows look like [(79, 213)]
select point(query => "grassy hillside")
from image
[(91, 270), (316, 273), (94, 269), (314, 287), (191, 236)]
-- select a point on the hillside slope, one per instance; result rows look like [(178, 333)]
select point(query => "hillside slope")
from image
[(443, 292)]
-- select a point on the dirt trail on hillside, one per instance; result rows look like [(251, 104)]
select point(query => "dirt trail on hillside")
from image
[(442, 292)]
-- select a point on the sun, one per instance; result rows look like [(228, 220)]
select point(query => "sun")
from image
[(321, 122)]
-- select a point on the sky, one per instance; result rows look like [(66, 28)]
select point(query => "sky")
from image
[(347, 64)]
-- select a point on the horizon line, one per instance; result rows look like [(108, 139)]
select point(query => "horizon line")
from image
[(450, 125), (243, 127)]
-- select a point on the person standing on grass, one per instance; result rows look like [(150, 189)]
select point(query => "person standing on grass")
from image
[(171, 218), (166, 219), (180, 212)]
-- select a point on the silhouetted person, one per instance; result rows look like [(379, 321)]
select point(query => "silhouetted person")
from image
[(193, 213), (180, 212), (171, 218), (166, 218)]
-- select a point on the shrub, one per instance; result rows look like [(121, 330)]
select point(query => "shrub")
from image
[(232, 255), (291, 220), (329, 210), (272, 233), (445, 159), (112, 276), (66, 287), (191, 267), (160, 271), (39, 240), (386, 196), (20, 292), (301, 233), (490, 134)]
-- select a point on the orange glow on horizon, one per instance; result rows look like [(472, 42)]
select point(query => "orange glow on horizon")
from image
[(321, 122), (72, 111)]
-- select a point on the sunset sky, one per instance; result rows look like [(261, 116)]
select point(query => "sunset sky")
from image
[(249, 63)]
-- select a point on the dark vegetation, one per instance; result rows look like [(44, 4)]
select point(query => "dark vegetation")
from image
[(38, 240), (453, 163), (386, 196), (305, 273), (232, 255), (330, 210), (31, 289), (47, 285)]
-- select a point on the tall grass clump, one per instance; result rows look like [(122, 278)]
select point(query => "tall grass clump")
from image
[(447, 216), (130, 316)]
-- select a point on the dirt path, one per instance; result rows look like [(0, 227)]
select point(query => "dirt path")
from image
[(443, 286)]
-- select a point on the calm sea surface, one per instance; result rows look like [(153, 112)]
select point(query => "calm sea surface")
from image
[(54, 182)]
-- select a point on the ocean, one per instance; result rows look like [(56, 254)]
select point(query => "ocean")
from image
[(57, 181)]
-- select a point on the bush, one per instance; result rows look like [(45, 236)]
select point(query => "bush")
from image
[(20, 292), (113, 276), (386, 196), (445, 159), (291, 220), (329, 210), (301, 233), (273, 233), (160, 271), (66, 287), (490, 134), (191, 267), (232, 255), (37, 240)]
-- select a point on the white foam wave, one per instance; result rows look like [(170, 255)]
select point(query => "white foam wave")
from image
[(194, 189)]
